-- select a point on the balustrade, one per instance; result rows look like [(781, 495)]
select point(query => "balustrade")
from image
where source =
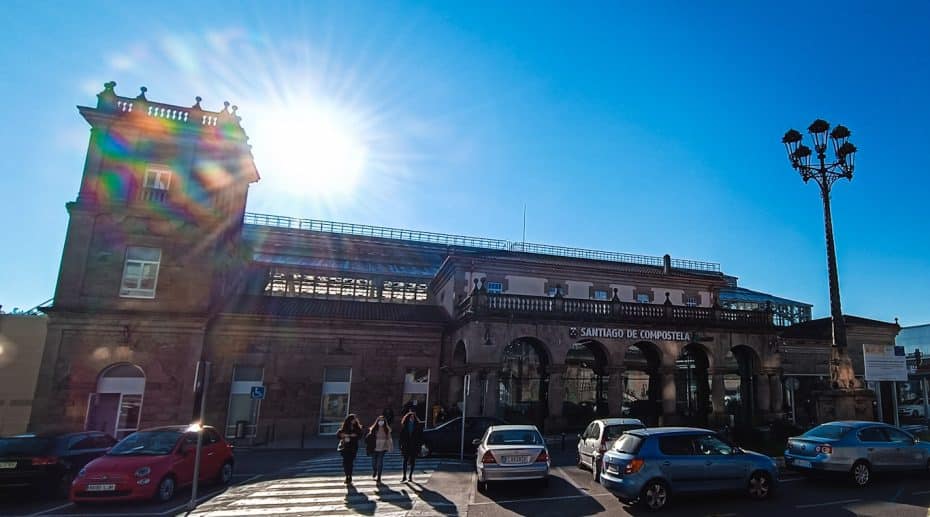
[(484, 303)]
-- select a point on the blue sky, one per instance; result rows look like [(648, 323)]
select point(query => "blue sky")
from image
[(622, 126)]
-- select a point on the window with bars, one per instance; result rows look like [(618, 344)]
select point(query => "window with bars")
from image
[(293, 283), (404, 291)]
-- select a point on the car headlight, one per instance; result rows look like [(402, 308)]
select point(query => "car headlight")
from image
[(143, 471)]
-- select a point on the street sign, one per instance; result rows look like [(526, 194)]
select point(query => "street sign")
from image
[(884, 363), (258, 392)]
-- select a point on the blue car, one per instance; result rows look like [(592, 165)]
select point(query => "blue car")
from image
[(648, 466)]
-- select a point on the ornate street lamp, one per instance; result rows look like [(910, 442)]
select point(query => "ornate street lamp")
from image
[(825, 172)]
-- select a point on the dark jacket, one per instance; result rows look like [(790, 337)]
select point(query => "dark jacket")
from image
[(350, 447), (410, 442)]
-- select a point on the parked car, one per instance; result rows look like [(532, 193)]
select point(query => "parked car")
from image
[(649, 466), (511, 453), (912, 408), (48, 462), (447, 438), (153, 463), (857, 449), (598, 437)]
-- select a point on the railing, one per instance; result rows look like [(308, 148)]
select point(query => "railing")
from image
[(155, 195), (470, 242), (108, 100), (482, 303)]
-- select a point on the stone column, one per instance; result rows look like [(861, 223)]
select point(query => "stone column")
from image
[(615, 390), (669, 410), (777, 393), (763, 398), (717, 393), (492, 393), (475, 393), (556, 395)]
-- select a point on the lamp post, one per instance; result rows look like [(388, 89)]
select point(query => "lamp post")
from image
[(825, 173)]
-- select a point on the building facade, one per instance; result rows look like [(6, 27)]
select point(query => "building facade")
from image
[(162, 268), (22, 338)]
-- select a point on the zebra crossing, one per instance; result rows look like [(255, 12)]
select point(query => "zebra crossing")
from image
[(316, 488)]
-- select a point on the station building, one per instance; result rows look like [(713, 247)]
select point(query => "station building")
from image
[(163, 267)]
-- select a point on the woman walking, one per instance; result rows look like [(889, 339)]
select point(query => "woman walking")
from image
[(349, 435), (411, 439), (379, 443)]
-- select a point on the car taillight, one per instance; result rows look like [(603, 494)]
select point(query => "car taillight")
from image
[(488, 458), (826, 449), (44, 460), (543, 456), (634, 466)]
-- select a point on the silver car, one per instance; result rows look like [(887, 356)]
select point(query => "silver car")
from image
[(597, 439), (857, 449), (510, 453)]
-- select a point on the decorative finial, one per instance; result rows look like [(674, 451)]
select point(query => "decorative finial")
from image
[(226, 106), (197, 104), (109, 85), (668, 300), (142, 90), (235, 109)]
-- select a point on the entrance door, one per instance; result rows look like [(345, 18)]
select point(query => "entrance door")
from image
[(102, 412)]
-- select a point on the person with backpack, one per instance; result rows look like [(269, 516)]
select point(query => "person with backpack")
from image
[(411, 439), (349, 435), (377, 444)]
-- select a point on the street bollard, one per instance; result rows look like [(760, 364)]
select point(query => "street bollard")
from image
[(563, 440)]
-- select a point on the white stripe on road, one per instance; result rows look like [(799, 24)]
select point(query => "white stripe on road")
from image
[(817, 505), (922, 492), (43, 512)]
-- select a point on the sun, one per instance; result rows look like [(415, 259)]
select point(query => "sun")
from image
[(309, 148)]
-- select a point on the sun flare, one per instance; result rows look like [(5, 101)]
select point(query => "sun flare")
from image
[(309, 148)]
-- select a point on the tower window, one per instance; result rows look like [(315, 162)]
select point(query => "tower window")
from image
[(495, 287), (140, 273), (643, 298), (155, 183)]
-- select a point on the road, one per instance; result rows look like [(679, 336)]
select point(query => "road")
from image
[(312, 485)]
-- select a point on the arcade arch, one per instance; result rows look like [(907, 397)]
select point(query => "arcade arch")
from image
[(692, 385), (642, 397), (585, 384), (523, 380)]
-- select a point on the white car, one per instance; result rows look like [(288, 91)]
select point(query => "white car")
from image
[(912, 408), (511, 453), (597, 439)]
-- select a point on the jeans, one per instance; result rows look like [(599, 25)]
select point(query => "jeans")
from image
[(409, 459), (348, 461), (377, 463)]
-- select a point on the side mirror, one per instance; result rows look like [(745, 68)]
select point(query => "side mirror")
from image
[(476, 441)]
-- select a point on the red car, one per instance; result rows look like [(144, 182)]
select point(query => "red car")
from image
[(152, 464)]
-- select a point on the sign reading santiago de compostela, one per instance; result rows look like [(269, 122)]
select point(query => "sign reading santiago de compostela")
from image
[(659, 335)]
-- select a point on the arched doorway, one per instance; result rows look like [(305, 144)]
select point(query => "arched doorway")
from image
[(641, 385), (741, 401), (523, 382), (585, 384), (116, 407), (692, 385)]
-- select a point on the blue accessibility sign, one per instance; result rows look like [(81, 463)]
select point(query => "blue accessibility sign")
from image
[(258, 392)]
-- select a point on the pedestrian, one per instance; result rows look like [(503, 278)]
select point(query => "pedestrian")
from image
[(388, 416), (379, 443), (349, 435), (411, 439)]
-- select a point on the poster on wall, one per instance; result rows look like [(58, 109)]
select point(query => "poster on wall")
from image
[(884, 363)]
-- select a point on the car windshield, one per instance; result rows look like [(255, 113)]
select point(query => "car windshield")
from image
[(614, 431), (515, 437), (628, 444), (146, 443), (24, 446), (829, 431)]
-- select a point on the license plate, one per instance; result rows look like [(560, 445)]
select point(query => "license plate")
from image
[(515, 459), (7, 464), (802, 463), (104, 487)]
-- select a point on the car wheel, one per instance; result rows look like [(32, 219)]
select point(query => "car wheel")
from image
[(596, 469), (654, 496), (483, 487), (165, 489), (579, 461), (544, 482), (224, 476), (927, 471), (861, 473), (760, 485)]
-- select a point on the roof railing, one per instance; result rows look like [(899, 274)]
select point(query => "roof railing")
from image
[(365, 230)]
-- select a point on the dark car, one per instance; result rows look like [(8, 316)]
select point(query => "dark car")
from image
[(447, 438), (48, 462)]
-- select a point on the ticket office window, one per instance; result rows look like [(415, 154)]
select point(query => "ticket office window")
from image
[(334, 404)]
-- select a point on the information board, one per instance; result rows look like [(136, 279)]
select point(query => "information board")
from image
[(884, 363)]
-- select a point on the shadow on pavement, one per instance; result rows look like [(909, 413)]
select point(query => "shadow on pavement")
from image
[(530, 498)]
